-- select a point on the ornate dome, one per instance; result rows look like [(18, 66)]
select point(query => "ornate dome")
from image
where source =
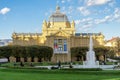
[(58, 16)]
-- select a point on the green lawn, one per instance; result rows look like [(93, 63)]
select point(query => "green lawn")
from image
[(35, 74)]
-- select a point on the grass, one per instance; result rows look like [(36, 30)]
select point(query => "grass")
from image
[(36, 74)]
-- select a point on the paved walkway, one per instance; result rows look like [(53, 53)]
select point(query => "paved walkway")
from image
[(104, 67)]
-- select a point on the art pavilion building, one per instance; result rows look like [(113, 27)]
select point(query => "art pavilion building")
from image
[(59, 33)]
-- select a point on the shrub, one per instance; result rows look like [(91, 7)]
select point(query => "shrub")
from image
[(82, 69)]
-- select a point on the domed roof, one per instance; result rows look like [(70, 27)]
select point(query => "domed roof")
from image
[(58, 16)]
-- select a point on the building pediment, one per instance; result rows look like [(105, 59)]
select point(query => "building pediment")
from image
[(61, 33)]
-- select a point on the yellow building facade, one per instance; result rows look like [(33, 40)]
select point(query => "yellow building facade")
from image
[(115, 44), (59, 33)]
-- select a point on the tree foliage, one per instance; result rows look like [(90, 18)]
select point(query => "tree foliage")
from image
[(117, 47), (82, 50), (99, 51), (78, 51), (26, 51)]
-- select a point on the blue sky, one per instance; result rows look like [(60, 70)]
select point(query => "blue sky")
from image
[(26, 16)]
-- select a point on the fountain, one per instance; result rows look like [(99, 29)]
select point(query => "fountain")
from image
[(90, 57)]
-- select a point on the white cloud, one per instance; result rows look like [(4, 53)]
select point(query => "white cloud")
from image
[(63, 8), (84, 24), (105, 11), (70, 9), (4, 10), (84, 11), (63, 1), (112, 3), (87, 26), (87, 20), (117, 11), (46, 14), (117, 14), (57, 2), (77, 22), (68, 0), (97, 2), (89, 23), (107, 18), (113, 17)]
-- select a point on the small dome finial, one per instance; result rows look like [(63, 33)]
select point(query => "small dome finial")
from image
[(57, 8)]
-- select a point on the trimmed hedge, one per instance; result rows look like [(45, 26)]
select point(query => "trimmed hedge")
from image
[(44, 52), (82, 69)]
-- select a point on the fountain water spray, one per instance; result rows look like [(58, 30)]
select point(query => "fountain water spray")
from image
[(90, 57)]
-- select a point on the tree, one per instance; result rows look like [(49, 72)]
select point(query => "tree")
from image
[(111, 53), (79, 52), (102, 51), (5, 51), (16, 51), (27, 51), (45, 52), (117, 48)]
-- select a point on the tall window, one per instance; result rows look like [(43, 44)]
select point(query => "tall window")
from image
[(65, 45), (60, 46), (55, 45)]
